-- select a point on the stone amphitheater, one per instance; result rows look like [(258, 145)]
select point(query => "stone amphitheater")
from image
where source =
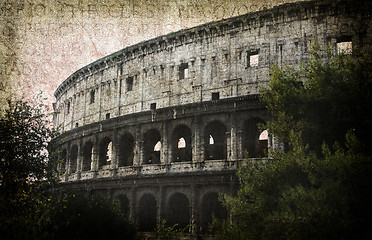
[(163, 125)]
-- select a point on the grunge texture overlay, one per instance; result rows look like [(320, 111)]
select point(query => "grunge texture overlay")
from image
[(43, 42)]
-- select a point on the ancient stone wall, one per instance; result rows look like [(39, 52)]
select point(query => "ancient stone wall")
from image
[(229, 57), (162, 125)]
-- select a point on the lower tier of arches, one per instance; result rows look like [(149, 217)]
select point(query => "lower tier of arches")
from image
[(188, 200)]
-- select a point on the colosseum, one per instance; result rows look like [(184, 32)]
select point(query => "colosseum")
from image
[(163, 125)]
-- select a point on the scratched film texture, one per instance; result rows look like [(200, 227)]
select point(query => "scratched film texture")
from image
[(43, 42)]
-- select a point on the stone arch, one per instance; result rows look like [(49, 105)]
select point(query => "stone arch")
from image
[(211, 207), (126, 150), (255, 142), (105, 152), (152, 146), (87, 156), (215, 147), (178, 210), (73, 158), (181, 144), (147, 213), (124, 204)]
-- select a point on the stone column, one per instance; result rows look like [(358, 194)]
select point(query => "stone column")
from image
[(197, 143), (134, 208), (239, 144), (139, 150), (233, 139), (80, 158), (194, 210), (136, 148), (95, 158), (115, 152), (68, 160), (161, 208), (165, 142), (228, 145)]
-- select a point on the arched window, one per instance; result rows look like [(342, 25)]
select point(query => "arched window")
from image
[(126, 150), (261, 149), (211, 140), (211, 206), (147, 213), (124, 204), (74, 156), (181, 144), (178, 210), (88, 156), (255, 142), (264, 136), (63, 158), (105, 152), (157, 147), (215, 141), (152, 147)]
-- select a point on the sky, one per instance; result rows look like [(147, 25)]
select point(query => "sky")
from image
[(43, 42)]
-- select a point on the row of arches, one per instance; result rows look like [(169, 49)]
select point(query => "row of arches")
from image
[(214, 144), (178, 211)]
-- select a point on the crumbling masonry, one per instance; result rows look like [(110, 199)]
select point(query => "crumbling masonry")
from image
[(162, 125)]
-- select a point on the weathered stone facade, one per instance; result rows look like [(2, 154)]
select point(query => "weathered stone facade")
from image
[(162, 125)]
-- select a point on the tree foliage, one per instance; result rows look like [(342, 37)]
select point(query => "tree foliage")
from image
[(25, 135), (323, 100), (29, 208), (80, 216), (319, 188), (26, 169)]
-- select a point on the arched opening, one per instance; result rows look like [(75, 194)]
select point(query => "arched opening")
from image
[(152, 147), (124, 204), (63, 158), (262, 144), (181, 144), (178, 211), (147, 213), (211, 207), (73, 158), (215, 141), (126, 150), (255, 142), (105, 153), (88, 156)]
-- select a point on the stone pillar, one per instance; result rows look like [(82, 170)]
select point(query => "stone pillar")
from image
[(197, 143), (68, 160), (239, 144), (228, 145), (194, 210), (95, 158), (72, 111), (138, 158), (115, 152), (233, 146), (161, 208), (165, 143), (80, 158), (134, 208)]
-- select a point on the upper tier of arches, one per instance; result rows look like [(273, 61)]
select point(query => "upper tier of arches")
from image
[(218, 60)]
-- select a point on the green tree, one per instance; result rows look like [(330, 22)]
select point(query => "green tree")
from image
[(323, 100), (28, 176), (80, 216), (26, 169), (164, 232), (310, 191)]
